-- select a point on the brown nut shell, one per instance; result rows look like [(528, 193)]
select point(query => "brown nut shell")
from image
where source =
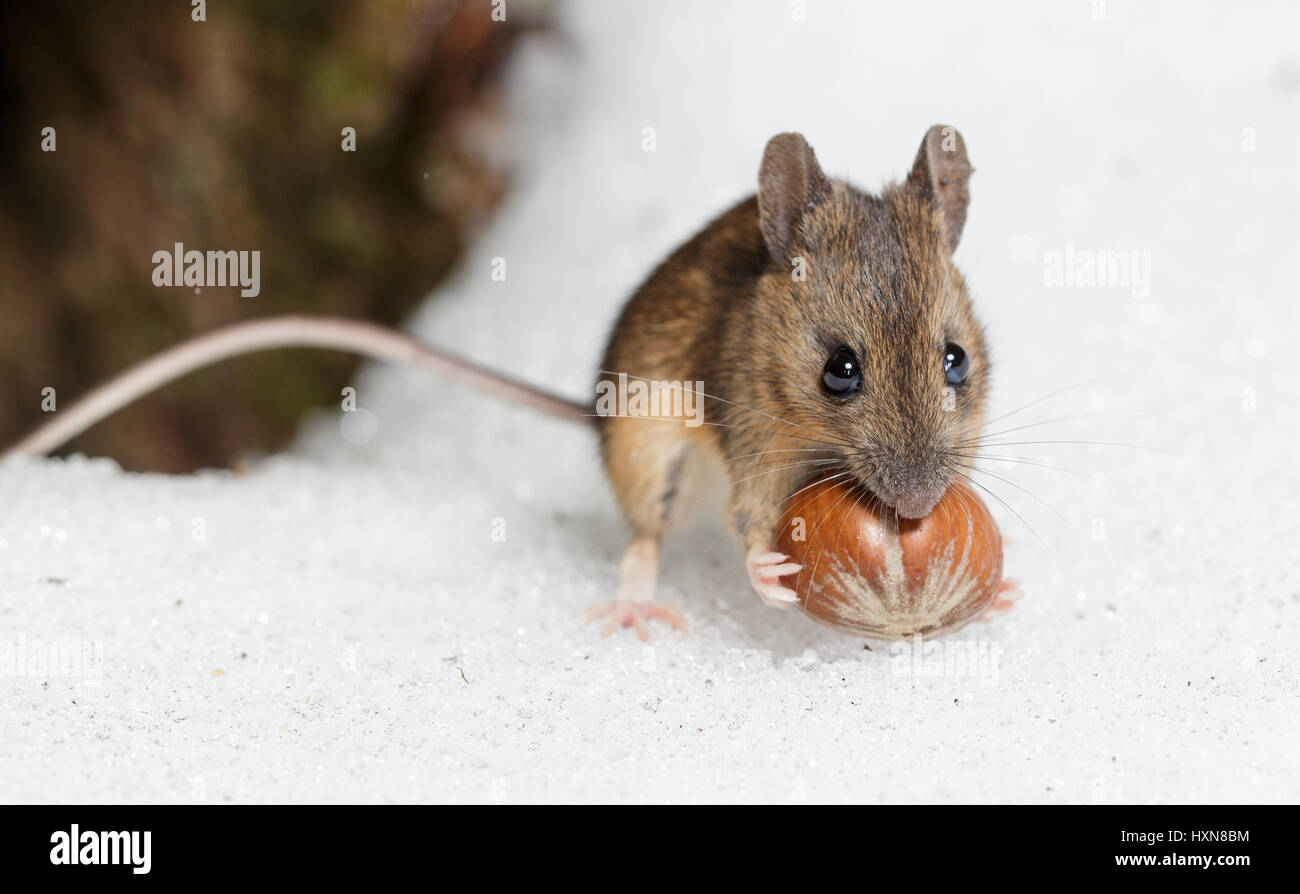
[(869, 572)]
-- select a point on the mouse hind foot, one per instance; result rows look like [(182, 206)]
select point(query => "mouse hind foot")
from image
[(635, 604)]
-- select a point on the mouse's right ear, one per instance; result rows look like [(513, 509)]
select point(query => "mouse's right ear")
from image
[(789, 183), (942, 172)]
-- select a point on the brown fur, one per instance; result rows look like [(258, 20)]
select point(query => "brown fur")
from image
[(724, 309)]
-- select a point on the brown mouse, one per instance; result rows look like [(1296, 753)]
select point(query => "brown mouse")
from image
[(818, 328), (825, 329)]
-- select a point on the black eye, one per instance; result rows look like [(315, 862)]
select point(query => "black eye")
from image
[(956, 365), (842, 374)]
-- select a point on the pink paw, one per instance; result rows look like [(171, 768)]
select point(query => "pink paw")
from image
[(638, 614), (1006, 596), (766, 568)]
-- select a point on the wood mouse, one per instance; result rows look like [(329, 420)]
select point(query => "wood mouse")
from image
[(823, 329), (829, 330)]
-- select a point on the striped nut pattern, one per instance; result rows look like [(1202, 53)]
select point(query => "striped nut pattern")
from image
[(867, 571)]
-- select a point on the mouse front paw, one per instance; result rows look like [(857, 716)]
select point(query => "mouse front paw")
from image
[(766, 568), (1006, 596)]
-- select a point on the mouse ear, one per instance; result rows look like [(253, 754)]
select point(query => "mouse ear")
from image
[(789, 183), (942, 172)]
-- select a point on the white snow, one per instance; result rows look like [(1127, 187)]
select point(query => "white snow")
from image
[(376, 643)]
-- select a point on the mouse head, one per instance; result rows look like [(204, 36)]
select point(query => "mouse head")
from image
[(887, 359)]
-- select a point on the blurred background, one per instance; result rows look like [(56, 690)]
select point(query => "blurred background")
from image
[(226, 134)]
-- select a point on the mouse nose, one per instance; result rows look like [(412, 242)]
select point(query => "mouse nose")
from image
[(912, 492), (917, 503)]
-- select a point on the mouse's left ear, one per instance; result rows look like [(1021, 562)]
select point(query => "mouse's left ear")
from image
[(942, 172)]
